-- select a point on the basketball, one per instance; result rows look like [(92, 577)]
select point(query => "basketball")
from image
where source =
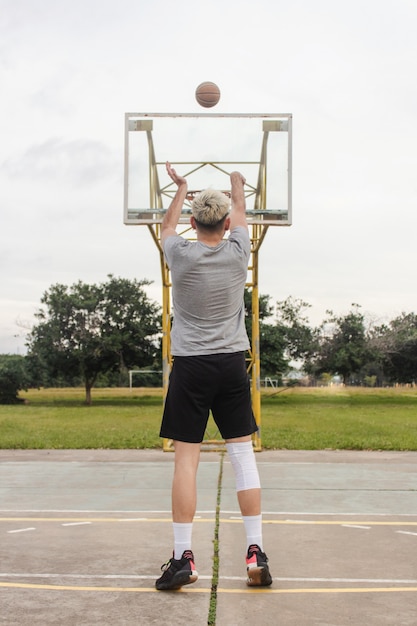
[(207, 94)]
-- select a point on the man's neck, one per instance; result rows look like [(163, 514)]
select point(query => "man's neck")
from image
[(211, 240)]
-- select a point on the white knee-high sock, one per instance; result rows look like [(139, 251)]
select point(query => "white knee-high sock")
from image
[(182, 538)]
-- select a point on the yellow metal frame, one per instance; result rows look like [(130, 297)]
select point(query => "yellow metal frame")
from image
[(259, 220)]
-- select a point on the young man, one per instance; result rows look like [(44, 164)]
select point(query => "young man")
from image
[(208, 343)]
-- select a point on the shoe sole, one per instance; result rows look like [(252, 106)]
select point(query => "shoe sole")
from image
[(259, 576), (180, 579)]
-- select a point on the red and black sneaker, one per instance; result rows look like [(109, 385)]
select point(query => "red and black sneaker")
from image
[(177, 572), (257, 567)]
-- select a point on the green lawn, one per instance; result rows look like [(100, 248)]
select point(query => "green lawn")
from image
[(341, 418), (297, 418)]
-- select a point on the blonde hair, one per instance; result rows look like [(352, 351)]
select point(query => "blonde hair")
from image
[(210, 206)]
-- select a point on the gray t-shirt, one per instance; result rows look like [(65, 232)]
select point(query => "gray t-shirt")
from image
[(207, 293)]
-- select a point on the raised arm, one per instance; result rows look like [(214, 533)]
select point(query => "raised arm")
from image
[(172, 216), (238, 210)]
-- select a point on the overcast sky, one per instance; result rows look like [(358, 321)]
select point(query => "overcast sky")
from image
[(345, 70)]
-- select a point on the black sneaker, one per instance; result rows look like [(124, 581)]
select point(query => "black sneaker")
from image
[(257, 567), (177, 572)]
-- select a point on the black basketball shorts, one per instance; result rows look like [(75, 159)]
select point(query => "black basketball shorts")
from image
[(198, 384)]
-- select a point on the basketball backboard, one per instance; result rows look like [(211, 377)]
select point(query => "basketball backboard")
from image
[(206, 148)]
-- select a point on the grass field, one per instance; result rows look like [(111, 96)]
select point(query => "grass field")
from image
[(297, 418)]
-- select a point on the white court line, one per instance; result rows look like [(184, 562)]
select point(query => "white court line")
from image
[(273, 464), (356, 526), (388, 581), (212, 511), (383, 581), (20, 530), (115, 511), (92, 576), (337, 514)]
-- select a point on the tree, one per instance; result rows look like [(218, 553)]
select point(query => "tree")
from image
[(272, 343), (343, 343), (396, 344), (265, 309), (301, 341), (289, 338), (271, 339), (13, 378), (87, 330)]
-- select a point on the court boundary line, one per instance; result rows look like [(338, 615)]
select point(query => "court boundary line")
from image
[(279, 579), (208, 590), (280, 522), (206, 512)]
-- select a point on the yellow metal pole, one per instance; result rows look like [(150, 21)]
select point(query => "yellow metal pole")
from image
[(256, 360), (166, 327), (166, 320), (166, 337)]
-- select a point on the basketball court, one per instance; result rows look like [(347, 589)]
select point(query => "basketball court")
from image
[(83, 535)]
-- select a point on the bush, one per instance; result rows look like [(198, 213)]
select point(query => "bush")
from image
[(13, 378)]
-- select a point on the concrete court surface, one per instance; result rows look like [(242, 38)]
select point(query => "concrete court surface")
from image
[(83, 534)]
